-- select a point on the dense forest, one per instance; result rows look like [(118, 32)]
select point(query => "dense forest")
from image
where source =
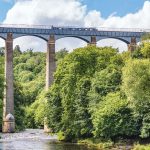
[(97, 92)]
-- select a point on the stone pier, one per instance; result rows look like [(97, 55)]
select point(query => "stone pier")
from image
[(50, 61), (93, 41), (132, 46), (8, 103), (50, 69)]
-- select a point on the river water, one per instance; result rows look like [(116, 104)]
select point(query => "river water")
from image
[(35, 139)]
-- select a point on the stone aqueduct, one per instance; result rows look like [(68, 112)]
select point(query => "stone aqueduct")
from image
[(50, 34)]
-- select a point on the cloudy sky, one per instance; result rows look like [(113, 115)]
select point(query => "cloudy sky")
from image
[(90, 13)]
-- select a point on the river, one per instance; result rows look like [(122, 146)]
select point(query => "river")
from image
[(35, 139)]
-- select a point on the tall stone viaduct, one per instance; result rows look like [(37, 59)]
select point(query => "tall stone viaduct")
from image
[(50, 34)]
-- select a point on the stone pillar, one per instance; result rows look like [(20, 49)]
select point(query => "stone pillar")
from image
[(50, 69), (50, 61), (132, 45), (8, 104), (93, 41)]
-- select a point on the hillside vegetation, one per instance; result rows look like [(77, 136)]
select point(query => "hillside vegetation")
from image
[(97, 92)]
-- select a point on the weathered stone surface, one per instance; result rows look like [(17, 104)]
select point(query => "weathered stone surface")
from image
[(93, 41), (132, 46), (50, 68), (50, 61), (8, 107), (9, 124)]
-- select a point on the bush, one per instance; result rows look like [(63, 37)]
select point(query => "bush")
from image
[(136, 84), (113, 118), (68, 98)]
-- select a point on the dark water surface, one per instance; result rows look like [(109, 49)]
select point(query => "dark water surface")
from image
[(35, 139)]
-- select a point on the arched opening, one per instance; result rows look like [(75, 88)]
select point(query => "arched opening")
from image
[(70, 43), (31, 42), (115, 43)]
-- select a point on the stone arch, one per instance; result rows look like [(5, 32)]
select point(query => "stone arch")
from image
[(31, 35), (1, 37), (116, 38)]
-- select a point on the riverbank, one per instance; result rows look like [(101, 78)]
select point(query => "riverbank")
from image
[(35, 139), (125, 144)]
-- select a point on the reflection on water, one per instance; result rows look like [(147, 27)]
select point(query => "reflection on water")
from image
[(39, 145)]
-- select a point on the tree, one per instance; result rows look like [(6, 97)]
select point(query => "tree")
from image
[(61, 54), (145, 49), (2, 51), (136, 83), (17, 51), (68, 100), (113, 118)]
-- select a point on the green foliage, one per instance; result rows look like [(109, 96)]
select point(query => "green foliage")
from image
[(19, 109), (1, 88), (146, 37), (1, 76), (61, 54), (97, 143), (91, 97), (61, 136), (145, 49), (35, 113), (68, 98), (29, 70), (2, 51), (142, 51), (113, 118), (1, 112), (136, 83), (141, 147), (17, 51)]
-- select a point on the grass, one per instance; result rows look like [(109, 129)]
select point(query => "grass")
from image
[(141, 147), (97, 144)]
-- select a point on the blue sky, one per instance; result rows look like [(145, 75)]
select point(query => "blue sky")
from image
[(106, 7), (4, 7), (121, 7)]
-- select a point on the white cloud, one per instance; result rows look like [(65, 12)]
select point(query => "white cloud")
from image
[(50, 12), (93, 19), (140, 19), (47, 12), (70, 12)]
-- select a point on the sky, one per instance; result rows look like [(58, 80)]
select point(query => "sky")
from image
[(119, 7), (90, 13), (106, 7)]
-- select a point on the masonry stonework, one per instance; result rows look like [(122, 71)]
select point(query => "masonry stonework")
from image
[(8, 103), (132, 46), (50, 69)]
